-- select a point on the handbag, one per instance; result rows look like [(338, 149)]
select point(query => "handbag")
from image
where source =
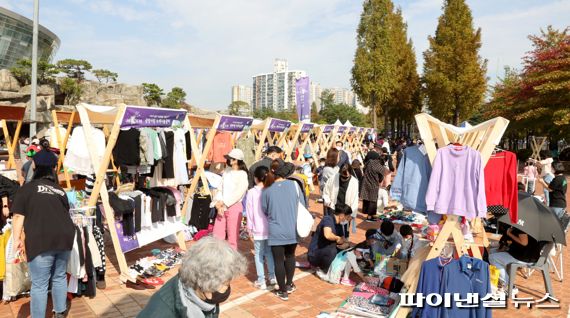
[(305, 220)]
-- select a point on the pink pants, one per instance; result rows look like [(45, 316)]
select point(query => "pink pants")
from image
[(229, 224)]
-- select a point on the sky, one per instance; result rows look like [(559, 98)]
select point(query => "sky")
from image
[(207, 46)]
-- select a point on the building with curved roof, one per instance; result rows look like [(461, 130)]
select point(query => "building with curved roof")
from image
[(16, 39)]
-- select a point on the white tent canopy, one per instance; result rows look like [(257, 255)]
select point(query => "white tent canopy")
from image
[(338, 123), (348, 123)]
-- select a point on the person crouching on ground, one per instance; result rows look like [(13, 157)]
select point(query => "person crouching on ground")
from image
[(202, 283)]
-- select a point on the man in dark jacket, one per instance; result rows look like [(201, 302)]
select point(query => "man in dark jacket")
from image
[(272, 153)]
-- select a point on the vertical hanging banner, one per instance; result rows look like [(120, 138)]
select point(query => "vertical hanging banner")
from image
[(303, 99)]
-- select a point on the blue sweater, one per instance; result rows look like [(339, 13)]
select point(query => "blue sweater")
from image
[(279, 202), (411, 181)]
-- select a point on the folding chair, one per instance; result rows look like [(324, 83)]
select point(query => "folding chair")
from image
[(541, 264)]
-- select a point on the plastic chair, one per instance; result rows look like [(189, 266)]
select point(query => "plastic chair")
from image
[(542, 264)]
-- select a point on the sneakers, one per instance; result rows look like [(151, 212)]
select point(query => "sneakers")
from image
[(273, 281), (291, 288), (260, 285), (347, 282), (322, 275), (282, 295)]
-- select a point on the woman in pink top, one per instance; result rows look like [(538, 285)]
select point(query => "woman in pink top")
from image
[(258, 228), (530, 173)]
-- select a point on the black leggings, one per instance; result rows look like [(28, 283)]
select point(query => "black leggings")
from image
[(284, 258)]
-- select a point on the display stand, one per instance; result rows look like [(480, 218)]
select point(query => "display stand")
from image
[(11, 113), (536, 144), (326, 138), (122, 116), (273, 131), (221, 123), (483, 138), (71, 119)]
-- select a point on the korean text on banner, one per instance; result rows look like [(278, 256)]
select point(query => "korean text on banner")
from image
[(303, 99), (139, 117), (307, 127), (328, 129), (278, 125), (234, 123)]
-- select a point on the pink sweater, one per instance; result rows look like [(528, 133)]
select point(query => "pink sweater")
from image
[(457, 183), (256, 219)]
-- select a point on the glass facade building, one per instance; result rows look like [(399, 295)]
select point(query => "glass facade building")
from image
[(16, 39)]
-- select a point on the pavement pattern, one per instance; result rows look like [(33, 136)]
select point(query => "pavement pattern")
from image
[(312, 296)]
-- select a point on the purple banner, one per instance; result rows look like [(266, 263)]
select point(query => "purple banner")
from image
[(328, 129), (234, 123), (341, 129), (278, 125), (303, 99), (138, 117), (352, 129), (128, 243), (307, 127)]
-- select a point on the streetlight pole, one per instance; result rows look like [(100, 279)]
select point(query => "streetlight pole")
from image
[(33, 97)]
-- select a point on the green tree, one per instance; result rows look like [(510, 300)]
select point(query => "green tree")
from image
[(374, 75), (406, 101), (74, 68), (22, 71), (263, 113), (327, 98), (72, 90), (105, 75), (315, 117), (342, 112), (454, 72), (238, 107), (174, 98), (152, 94)]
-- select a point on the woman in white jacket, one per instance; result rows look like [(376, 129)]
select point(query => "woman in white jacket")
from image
[(342, 188), (228, 199)]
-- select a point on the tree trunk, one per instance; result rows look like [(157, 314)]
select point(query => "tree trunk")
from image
[(374, 114)]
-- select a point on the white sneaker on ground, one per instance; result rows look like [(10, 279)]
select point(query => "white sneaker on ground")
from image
[(260, 285)]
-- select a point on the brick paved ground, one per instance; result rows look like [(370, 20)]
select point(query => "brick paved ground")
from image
[(311, 297)]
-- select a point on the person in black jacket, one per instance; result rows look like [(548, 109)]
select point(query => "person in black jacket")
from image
[(272, 153)]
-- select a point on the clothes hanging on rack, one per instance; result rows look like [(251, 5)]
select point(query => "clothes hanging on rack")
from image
[(223, 145), (430, 281), (126, 151), (412, 178), (501, 182), (77, 157), (457, 183), (247, 145), (200, 211), (180, 157), (168, 167)]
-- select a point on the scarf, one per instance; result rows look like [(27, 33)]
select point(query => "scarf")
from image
[(195, 307)]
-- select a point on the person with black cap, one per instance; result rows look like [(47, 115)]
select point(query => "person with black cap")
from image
[(280, 201), (272, 153), (41, 209)]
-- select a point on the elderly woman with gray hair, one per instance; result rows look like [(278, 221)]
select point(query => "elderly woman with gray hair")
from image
[(202, 283)]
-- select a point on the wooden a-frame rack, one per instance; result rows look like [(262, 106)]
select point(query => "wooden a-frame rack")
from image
[(273, 131), (483, 138), (91, 114), (11, 114)]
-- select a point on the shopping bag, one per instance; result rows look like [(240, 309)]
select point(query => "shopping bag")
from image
[(17, 279), (381, 261), (337, 267), (494, 275), (304, 219)]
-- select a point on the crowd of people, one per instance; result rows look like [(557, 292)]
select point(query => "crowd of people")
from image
[(268, 194)]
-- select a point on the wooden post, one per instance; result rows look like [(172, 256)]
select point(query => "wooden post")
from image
[(65, 139), (99, 188), (61, 149), (262, 139)]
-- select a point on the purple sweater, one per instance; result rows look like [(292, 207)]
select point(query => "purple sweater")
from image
[(457, 183)]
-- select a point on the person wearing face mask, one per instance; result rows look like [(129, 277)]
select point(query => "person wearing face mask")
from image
[(323, 247), (342, 189), (344, 156), (202, 283), (228, 199)]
